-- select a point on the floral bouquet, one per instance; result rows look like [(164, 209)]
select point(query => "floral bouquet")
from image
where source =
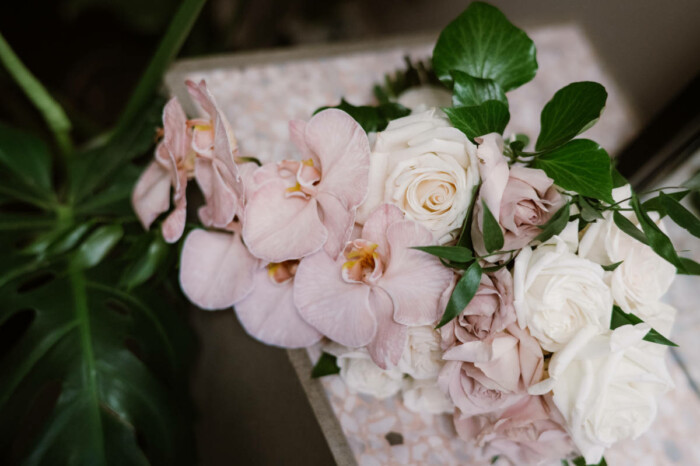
[(516, 286)]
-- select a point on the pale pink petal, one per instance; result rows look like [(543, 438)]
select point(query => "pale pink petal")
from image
[(215, 269), (414, 280), (338, 222), (493, 169), (339, 310), (297, 129), (174, 224), (222, 203), (175, 134), (278, 228), (389, 342), (268, 314), (534, 177), (151, 195), (225, 147), (376, 225), (343, 150), (201, 95)]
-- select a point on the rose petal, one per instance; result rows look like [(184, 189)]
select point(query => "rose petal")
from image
[(268, 314), (215, 269), (339, 310)]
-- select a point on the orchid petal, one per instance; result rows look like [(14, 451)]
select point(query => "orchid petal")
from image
[(175, 135), (215, 269), (339, 310), (278, 228), (268, 314), (338, 222), (376, 225), (174, 224), (414, 280), (343, 150), (151, 195), (388, 344), (297, 129), (222, 203)]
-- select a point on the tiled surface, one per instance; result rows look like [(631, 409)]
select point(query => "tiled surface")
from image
[(261, 96)]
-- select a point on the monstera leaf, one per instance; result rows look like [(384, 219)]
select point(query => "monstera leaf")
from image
[(94, 344)]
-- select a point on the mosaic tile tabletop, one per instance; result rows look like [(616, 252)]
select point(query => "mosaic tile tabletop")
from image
[(260, 92)]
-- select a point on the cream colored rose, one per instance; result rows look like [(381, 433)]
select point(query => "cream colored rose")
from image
[(420, 99), (557, 293), (643, 277), (605, 386), (424, 396), (362, 375), (427, 168), (422, 357)]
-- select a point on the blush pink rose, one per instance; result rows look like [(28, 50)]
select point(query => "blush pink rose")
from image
[(483, 376), (490, 311), (520, 198), (528, 432)]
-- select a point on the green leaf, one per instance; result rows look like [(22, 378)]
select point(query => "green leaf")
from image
[(372, 119), (469, 91), (611, 267), (145, 264), (483, 43), (624, 224), (493, 236), (523, 139), (327, 364), (572, 110), (464, 291), (555, 225), (116, 364), (580, 461), (654, 204), (588, 212), (465, 237), (169, 46), (28, 159), (97, 246), (618, 180), (580, 165), (659, 242), (50, 110), (620, 318), (680, 214), (451, 253), (489, 117), (690, 267)]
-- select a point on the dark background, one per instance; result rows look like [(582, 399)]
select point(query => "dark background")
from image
[(90, 53)]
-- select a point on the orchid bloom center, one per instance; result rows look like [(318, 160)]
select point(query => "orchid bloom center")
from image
[(202, 136), (364, 264), (305, 174), (282, 272)]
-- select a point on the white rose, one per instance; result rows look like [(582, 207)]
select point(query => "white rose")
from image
[(605, 387), (424, 396), (557, 293), (643, 276), (427, 168), (420, 99), (362, 375), (422, 357)]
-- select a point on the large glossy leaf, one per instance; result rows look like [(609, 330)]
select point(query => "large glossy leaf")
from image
[(484, 44), (98, 373), (469, 91), (572, 110), (489, 117), (581, 166), (28, 159)]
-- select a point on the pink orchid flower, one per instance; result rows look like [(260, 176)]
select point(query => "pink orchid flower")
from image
[(301, 206), (216, 171), (377, 287), (217, 272), (173, 165)]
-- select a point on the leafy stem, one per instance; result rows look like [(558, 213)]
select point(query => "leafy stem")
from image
[(50, 110)]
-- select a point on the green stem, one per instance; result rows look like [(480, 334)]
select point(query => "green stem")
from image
[(168, 48), (52, 112)]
